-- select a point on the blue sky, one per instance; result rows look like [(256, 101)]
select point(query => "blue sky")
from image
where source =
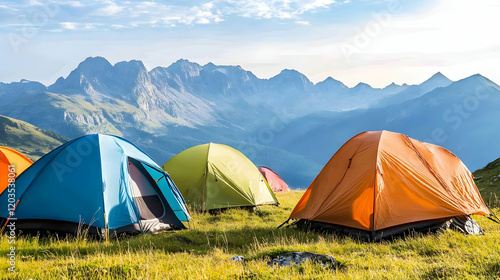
[(377, 42)]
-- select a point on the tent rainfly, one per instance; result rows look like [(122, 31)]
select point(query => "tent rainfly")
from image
[(99, 182), (277, 184), (382, 183), (215, 176)]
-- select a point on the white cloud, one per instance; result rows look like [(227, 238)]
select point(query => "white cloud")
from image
[(118, 26), (89, 26), (259, 9), (208, 5), (282, 9), (8, 8), (79, 26), (302, 22), (69, 25), (203, 21), (34, 3), (110, 9), (109, 13), (76, 4), (306, 6)]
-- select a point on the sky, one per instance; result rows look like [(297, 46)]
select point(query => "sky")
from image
[(376, 42)]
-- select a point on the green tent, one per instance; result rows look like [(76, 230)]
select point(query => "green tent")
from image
[(214, 176)]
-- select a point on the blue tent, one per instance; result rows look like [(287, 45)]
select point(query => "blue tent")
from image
[(100, 181)]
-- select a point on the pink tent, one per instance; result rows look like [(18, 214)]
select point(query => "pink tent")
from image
[(277, 184)]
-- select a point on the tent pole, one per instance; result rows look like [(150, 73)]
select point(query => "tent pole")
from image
[(106, 230), (204, 186), (286, 222), (203, 207)]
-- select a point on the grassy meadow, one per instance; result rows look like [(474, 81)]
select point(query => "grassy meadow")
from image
[(204, 252), (28, 139), (488, 182)]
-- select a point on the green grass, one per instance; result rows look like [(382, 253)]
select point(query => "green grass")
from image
[(28, 139), (204, 252), (488, 182)]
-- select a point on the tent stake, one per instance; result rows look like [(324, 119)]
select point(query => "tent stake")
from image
[(286, 222)]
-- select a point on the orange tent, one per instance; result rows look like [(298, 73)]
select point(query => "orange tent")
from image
[(9, 157), (384, 181), (277, 184)]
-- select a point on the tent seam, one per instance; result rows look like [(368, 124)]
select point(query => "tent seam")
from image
[(375, 180), (106, 228), (205, 177), (316, 213), (433, 172)]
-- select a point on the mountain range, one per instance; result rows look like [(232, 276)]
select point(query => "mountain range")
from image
[(285, 122)]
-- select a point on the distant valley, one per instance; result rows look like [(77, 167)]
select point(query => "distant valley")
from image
[(286, 122)]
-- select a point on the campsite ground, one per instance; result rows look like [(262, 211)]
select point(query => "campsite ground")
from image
[(204, 252)]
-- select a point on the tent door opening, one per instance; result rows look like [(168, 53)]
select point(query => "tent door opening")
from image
[(146, 199)]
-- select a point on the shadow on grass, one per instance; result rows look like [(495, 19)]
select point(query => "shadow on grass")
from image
[(194, 241)]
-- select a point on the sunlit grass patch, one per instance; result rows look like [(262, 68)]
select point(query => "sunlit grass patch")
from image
[(204, 252)]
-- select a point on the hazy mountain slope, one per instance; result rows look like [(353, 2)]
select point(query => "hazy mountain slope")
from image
[(66, 115), (295, 124), (295, 169), (28, 139), (411, 92), (13, 92), (462, 117)]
